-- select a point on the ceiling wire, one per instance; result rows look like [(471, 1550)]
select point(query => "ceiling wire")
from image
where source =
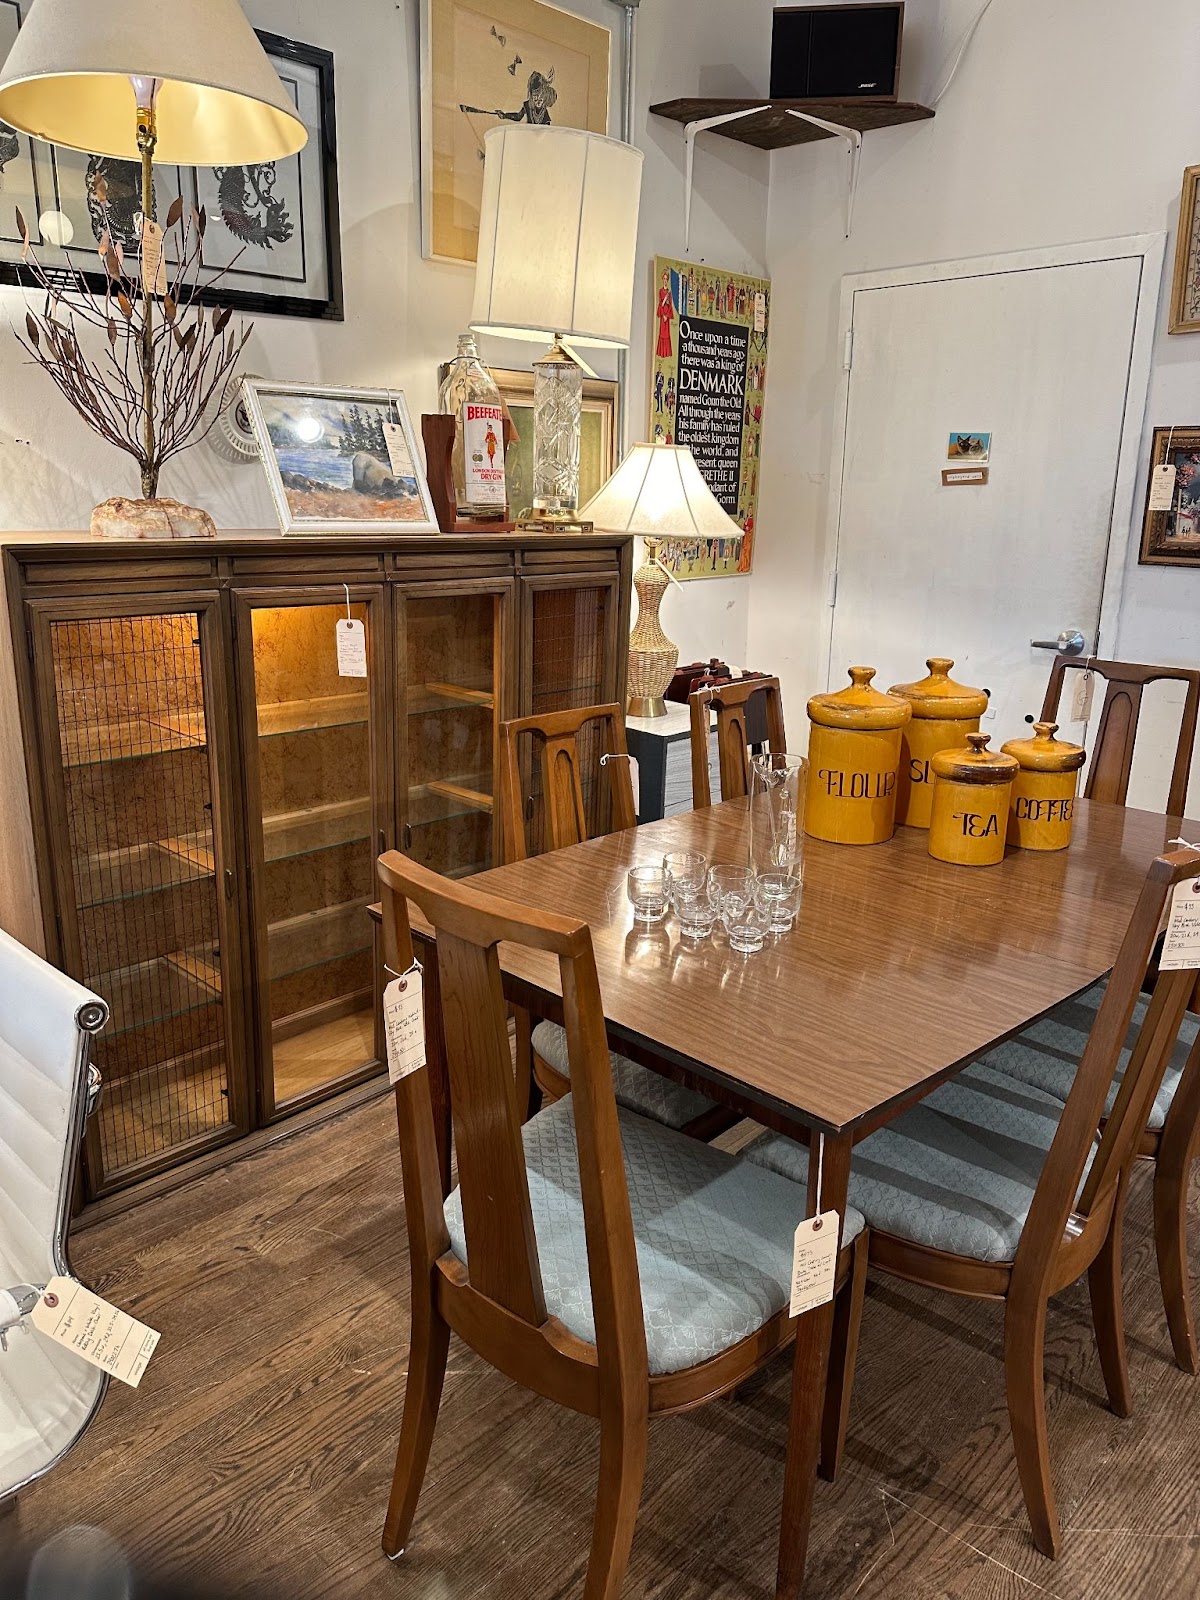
[(962, 50)]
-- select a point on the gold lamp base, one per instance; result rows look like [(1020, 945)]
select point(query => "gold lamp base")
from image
[(647, 705), (652, 656)]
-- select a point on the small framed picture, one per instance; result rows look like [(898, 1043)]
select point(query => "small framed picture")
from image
[(975, 447), (1185, 286), (597, 443), (340, 460), (1171, 527)]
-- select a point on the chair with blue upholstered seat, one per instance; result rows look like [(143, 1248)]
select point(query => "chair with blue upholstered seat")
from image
[(578, 785), (994, 1188), (610, 1264)]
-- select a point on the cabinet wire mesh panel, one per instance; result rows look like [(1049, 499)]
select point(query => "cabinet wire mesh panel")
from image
[(136, 780)]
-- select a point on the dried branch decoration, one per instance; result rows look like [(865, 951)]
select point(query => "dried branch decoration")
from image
[(148, 390)]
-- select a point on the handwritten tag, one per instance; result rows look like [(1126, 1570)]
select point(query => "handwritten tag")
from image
[(404, 1026), (351, 649), (104, 1336), (1081, 704), (635, 782), (1181, 946), (1162, 487), (760, 312), (814, 1262), (154, 263), (398, 452)]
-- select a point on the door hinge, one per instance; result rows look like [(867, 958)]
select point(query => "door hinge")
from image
[(848, 349)]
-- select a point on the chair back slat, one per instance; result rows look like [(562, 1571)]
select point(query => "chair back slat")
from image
[(1116, 730), (1055, 1198), (574, 752), (731, 702)]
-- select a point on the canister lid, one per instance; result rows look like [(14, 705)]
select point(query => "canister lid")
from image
[(977, 764), (859, 706), (1045, 753), (939, 696)]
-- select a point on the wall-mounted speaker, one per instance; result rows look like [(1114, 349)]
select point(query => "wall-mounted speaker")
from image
[(849, 52)]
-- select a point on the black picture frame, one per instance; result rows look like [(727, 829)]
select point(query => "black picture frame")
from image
[(329, 306)]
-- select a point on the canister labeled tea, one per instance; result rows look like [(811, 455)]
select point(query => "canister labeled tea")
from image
[(853, 754), (943, 714), (971, 792), (1043, 793)]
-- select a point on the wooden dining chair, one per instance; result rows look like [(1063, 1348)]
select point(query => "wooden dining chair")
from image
[(995, 1189), (1116, 732), (565, 768), (601, 1260), (730, 702)]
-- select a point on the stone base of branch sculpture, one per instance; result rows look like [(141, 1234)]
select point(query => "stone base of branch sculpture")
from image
[(151, 519)]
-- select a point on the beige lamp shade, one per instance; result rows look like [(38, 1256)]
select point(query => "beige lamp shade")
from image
[(659, 492), (68, 80), (557, 236)]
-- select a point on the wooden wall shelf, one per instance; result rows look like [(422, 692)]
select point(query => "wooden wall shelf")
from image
[(773, 129)]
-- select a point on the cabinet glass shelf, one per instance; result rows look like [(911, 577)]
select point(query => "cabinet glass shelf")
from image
[(312, 716), (126, 874), (291, 834), (130, 739), (317, 938), (426, 697), (156, 990)]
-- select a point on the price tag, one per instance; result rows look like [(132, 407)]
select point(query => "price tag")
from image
[(760, 312), (154, 263), (397, 449), (107, 1338), (1081, 705), (1181, 946), (1162, 487), (351, 649), (635, 781), (814, 1262), (404, 1026)]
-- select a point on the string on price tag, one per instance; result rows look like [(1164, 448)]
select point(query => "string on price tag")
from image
[(350, 636), (814, 1252)]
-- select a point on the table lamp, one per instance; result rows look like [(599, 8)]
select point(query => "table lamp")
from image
[(557, 247), (185, 83), (658, 492)]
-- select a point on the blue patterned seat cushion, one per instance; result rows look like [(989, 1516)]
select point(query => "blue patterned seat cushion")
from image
[(1047, 1053), (637, 1088), (713, 1233), (956, 1172)]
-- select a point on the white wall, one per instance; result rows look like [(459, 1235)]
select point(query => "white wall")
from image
[(1066, 122), (403, 313)]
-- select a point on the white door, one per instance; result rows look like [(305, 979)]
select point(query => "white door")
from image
[(1046, 359)]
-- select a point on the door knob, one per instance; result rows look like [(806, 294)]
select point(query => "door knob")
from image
[(1070, 642)]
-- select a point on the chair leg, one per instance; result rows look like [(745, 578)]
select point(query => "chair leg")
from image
[(1025, 1383), (422, 1397), (843, 1353), (1108, 1310), (1171, 1244), (622, 1466)]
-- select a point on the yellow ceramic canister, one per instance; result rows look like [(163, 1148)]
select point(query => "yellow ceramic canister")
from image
[(1043, 792), (853, 754), (943, 714), (971, 793)]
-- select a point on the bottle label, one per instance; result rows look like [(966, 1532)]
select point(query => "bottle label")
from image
[(483, 452)]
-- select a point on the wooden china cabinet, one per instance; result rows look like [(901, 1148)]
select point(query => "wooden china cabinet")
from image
[(209, 795)]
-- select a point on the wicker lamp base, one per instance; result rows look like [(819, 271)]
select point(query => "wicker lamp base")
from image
[(652, 656)]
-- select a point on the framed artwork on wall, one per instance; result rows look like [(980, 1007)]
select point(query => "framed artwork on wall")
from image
[(273, 237), (598, 440), (1171, 526), (488, 61), (340, 460), (1185, 286)]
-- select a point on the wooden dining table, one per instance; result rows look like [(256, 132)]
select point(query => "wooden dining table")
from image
[(898, 972)]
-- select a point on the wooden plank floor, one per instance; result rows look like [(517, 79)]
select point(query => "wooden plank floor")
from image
[(256, 1456)]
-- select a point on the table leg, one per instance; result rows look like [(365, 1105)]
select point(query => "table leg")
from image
[(811, 1365)]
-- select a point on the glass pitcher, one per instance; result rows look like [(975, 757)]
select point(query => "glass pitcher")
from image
[(778, 784)]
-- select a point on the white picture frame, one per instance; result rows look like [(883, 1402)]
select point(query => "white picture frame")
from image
[(331, 462)]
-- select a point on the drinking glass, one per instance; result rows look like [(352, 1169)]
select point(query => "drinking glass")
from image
[(647, 889), (746, 922), (778, 784), (723, 881), (778, 894), (684, 868), (694, 910)]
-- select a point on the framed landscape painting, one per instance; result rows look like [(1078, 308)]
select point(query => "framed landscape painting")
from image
[(489, 61), (340, 460)]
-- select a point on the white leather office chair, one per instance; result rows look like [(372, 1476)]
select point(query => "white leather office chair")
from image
[(48, 1395)]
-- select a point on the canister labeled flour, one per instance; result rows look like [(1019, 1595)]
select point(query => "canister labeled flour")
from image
[(853, 756)]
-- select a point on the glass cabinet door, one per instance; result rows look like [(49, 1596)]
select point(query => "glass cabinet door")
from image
[(450, 661), (311, 747), (141, 865)]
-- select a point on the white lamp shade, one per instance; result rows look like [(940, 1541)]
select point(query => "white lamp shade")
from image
[(557, 236), (659, 492), (67, 80)]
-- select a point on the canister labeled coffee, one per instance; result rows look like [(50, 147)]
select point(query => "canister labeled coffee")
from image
[(1042, 813)]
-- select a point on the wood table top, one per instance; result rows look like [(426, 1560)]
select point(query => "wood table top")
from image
[(899, 970)]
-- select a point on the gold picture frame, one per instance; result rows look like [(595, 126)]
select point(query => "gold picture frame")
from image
[(1185, 285), (598, 443), (488, 61), (1172, 538)]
